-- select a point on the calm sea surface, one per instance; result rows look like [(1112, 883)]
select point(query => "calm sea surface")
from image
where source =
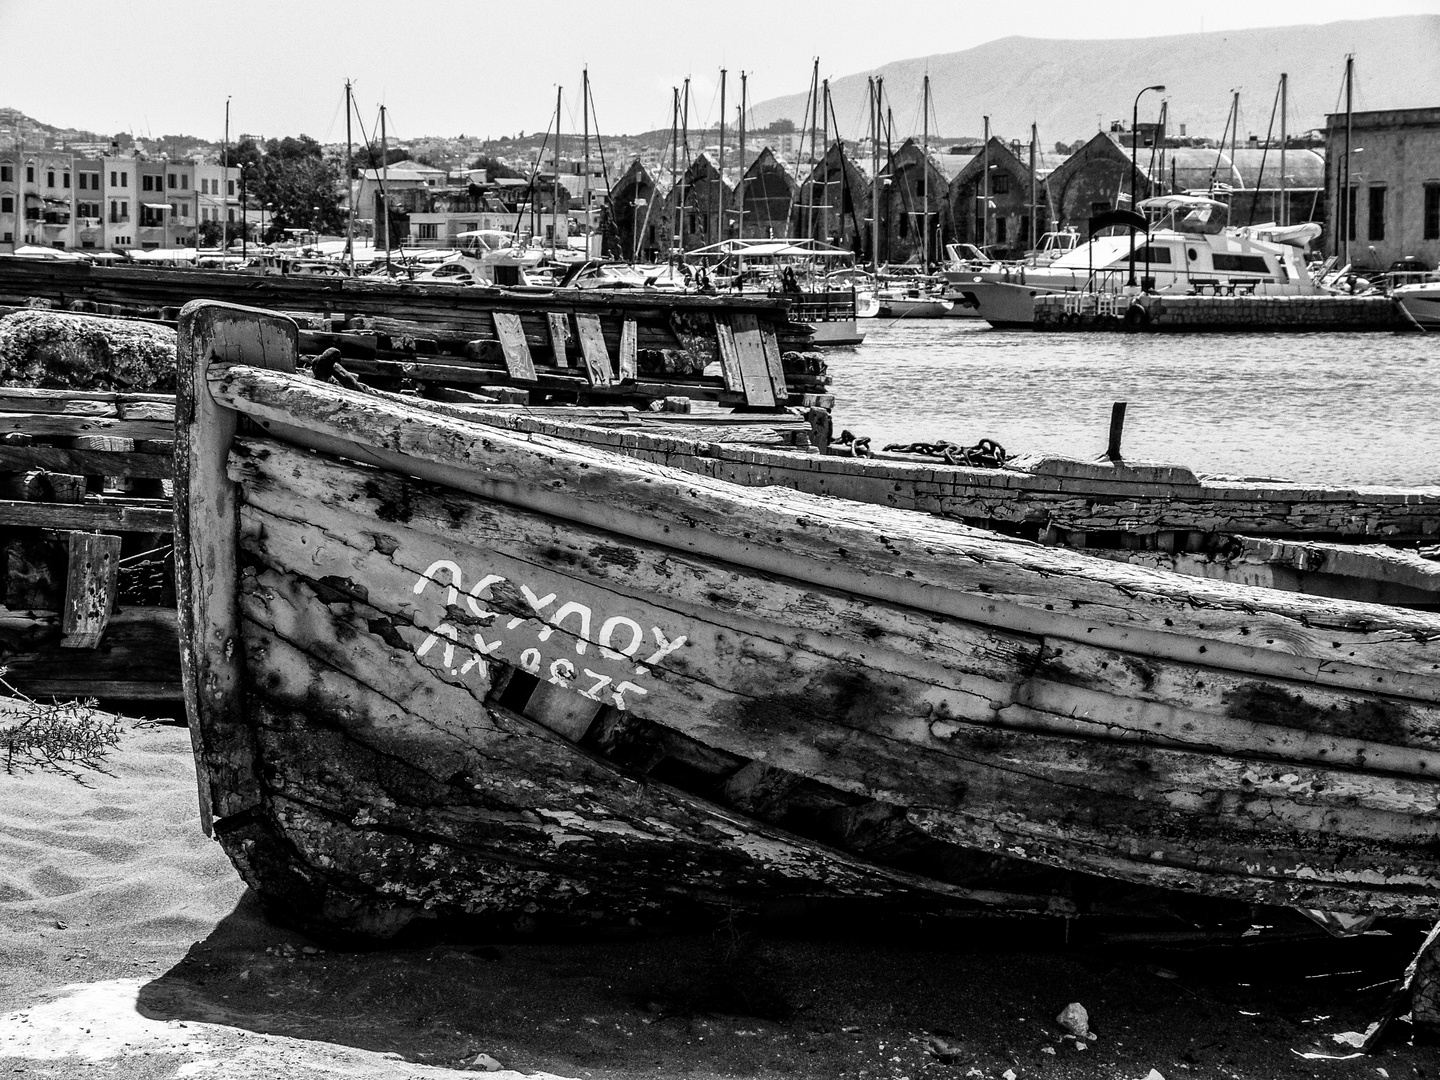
[(1318, 408)]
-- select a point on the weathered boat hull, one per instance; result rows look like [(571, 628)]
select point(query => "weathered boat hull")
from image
[(439, 669)]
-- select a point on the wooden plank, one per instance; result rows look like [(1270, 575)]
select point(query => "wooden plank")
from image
[(750, 354), (729, 356), (84, 462), (629, 357), (517, 351), (51, 425), (773, 362), (91, 586), (93, 515), (559, 337), (207, 575), (592, 347), (29, 399), (139, 659)]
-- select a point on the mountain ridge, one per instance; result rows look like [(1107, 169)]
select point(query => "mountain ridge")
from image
[(1070, 88)]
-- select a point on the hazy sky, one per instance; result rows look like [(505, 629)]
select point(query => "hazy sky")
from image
[(446, 67)]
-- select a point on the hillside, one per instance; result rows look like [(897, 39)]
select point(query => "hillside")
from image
[(1070, 87)]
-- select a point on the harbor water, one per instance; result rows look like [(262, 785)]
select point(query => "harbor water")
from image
[(1354, 408)]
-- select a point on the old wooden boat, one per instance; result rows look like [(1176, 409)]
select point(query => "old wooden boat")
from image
[(435, 668)]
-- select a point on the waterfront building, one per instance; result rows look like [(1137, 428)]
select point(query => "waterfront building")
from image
[(1096, 178), (839, 191), (692, 213), (49, 199), (1394, 186), (180, 197), (769, 196), (1248, 179), (1009, 224), (916, 196), (628, 222), (216, 195), (153, 213), (89, 222), (121, 179), (12, 209)]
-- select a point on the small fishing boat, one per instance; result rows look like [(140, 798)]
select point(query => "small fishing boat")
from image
[(436, 669)]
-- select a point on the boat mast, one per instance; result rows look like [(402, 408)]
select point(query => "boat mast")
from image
[(1284, 96), (555, 183), (1234, 138), (385, 191), (225, 182), (814, 104), (925, 173), (349, 186), (1349, 209), (824, 163), (1034, 207), (585, 129), (875, 121), (720, 198), (675, 167), (740, 260), (985, 190)]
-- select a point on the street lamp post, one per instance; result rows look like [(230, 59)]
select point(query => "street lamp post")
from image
[(1134, 169)]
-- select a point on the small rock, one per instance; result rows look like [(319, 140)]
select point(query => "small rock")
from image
[(484, 1063), (61, 925), (1048, 1050), (1074, 1019), (310, 950), (1008, 1074), (1153, 1074), (942, 1050), (244, 976)]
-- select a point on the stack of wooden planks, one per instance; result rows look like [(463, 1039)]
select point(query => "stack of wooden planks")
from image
[(570, 343), (85, 523)]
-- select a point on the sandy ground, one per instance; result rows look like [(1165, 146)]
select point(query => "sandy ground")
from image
[(130, 949)]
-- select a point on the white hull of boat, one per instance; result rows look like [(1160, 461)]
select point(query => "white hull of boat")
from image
[(1422, 302), (914, 309), (836, 332)]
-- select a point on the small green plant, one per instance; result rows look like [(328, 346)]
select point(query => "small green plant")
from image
[(62, 735)]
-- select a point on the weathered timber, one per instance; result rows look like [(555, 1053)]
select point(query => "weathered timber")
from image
[(517, 351), (592, 347), (750, 357), (455, 668), (137, 660), (91, 589), (95, 514)]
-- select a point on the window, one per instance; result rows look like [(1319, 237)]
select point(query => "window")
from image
[(147, 183), (171, 179), (88, 210), (124, 179), (7, 174), (1002, 230), (50, 178), (184, 182), (1000, 184), (230, 216), (1377, 213), (230, 184), (112, 179), (29, 174), (1245, 264), (65, 179), (7, 205), (428, 231), (204, 186), (1150, 254), (1432, 212), (1350, 214)]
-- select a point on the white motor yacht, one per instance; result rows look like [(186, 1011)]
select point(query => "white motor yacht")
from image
[(1421, 301), (1194, 254)]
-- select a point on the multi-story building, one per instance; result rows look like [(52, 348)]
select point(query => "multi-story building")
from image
[(49, 199), (215, 195), (1392, 208), (180, 197), (121, 179), (153, 225), (89, 222), (11, 204)]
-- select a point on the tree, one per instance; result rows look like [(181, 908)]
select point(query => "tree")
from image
[(292, 179)]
